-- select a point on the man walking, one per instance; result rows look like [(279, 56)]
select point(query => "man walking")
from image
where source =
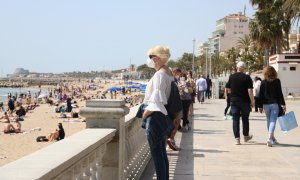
[(242, 101), (209, 85), (201, 86)]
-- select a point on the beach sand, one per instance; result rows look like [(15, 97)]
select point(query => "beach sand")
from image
[(15, 146)]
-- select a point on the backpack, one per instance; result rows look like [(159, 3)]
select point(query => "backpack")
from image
[(174, 105)]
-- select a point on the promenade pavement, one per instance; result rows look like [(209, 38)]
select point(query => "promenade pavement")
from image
[(208, 150)]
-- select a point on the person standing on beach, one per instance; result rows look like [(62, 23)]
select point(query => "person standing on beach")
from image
[(11, 105), (156, 97), (242, 100)]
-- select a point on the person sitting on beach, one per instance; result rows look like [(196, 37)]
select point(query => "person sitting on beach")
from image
[(18, 125), (8, 127), (1, 106), (21, 112), (57, 134)]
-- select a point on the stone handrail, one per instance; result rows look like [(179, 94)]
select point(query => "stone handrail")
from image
[(112, 147), (137, 149), (75, 157)]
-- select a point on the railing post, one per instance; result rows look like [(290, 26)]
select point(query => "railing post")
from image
[(109, 114)]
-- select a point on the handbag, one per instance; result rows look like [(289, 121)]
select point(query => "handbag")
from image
[(287, 122), (281, 111)]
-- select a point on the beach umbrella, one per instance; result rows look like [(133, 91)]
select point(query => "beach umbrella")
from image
[(143, 89), (93, 85), (133, 87)]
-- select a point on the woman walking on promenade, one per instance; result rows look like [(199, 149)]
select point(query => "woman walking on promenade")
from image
[(193, 94), (185, 90), (270, 100), (156, 97)]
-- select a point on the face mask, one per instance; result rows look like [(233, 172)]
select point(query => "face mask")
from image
[(150, 63), (182, 79)]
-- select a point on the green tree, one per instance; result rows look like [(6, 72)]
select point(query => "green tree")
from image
[(232, 55), (270, 23), (172, 64), (185, 62), (292, 6), (146, 72)]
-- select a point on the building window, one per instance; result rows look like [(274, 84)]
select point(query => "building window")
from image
[(292, 68)]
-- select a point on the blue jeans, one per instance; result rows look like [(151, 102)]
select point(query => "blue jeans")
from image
[(271, 111), (202, 95), (156, 131), (239, 109)]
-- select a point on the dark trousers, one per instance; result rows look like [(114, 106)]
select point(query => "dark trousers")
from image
[(155, 131), (240, 109), (208, 93), (185, 111), (256, 104), (228, 105)]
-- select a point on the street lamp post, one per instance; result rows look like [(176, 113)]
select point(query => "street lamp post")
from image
[(193, 66), (210, 65), (206, 60)]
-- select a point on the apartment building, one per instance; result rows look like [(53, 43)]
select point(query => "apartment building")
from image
[(228, 30)]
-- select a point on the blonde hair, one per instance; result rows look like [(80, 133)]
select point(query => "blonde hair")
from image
[(162, 52), (270, 73)]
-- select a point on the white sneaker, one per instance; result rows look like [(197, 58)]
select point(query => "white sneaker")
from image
[(275, 141), (269, 142), (237, 141)]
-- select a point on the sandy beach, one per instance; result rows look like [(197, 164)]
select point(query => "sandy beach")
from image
[(43, 117)]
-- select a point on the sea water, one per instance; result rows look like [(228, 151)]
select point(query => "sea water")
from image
[(4, 92)]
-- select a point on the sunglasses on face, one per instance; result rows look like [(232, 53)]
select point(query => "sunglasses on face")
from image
[(152, 56)]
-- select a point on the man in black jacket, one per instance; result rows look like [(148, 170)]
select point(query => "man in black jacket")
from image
[(242, 100)]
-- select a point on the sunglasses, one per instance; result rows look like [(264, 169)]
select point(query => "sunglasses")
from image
[(152, 56)]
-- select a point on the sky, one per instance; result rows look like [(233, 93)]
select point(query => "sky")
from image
[(92, 35)]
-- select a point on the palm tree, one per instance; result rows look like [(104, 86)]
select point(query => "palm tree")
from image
[(272, 24), (244, 44), (232, 54), (292, 6)]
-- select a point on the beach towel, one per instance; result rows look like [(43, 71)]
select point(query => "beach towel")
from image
[(72, 120), (24, 132)]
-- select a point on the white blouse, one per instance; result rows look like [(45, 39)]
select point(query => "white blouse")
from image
[(158, 91)]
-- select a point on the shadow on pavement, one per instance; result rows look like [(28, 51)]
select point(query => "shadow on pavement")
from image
[(199, 131), (287, 145)]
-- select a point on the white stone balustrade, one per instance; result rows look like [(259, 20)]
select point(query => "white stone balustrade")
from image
[(112, 147)]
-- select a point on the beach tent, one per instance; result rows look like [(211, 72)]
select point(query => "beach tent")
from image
[(114, 89)]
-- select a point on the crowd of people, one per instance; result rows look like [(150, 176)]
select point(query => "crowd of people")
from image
[(241, 94), (160, 122)]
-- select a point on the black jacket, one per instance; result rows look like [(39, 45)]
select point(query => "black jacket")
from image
[(270, 92)]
